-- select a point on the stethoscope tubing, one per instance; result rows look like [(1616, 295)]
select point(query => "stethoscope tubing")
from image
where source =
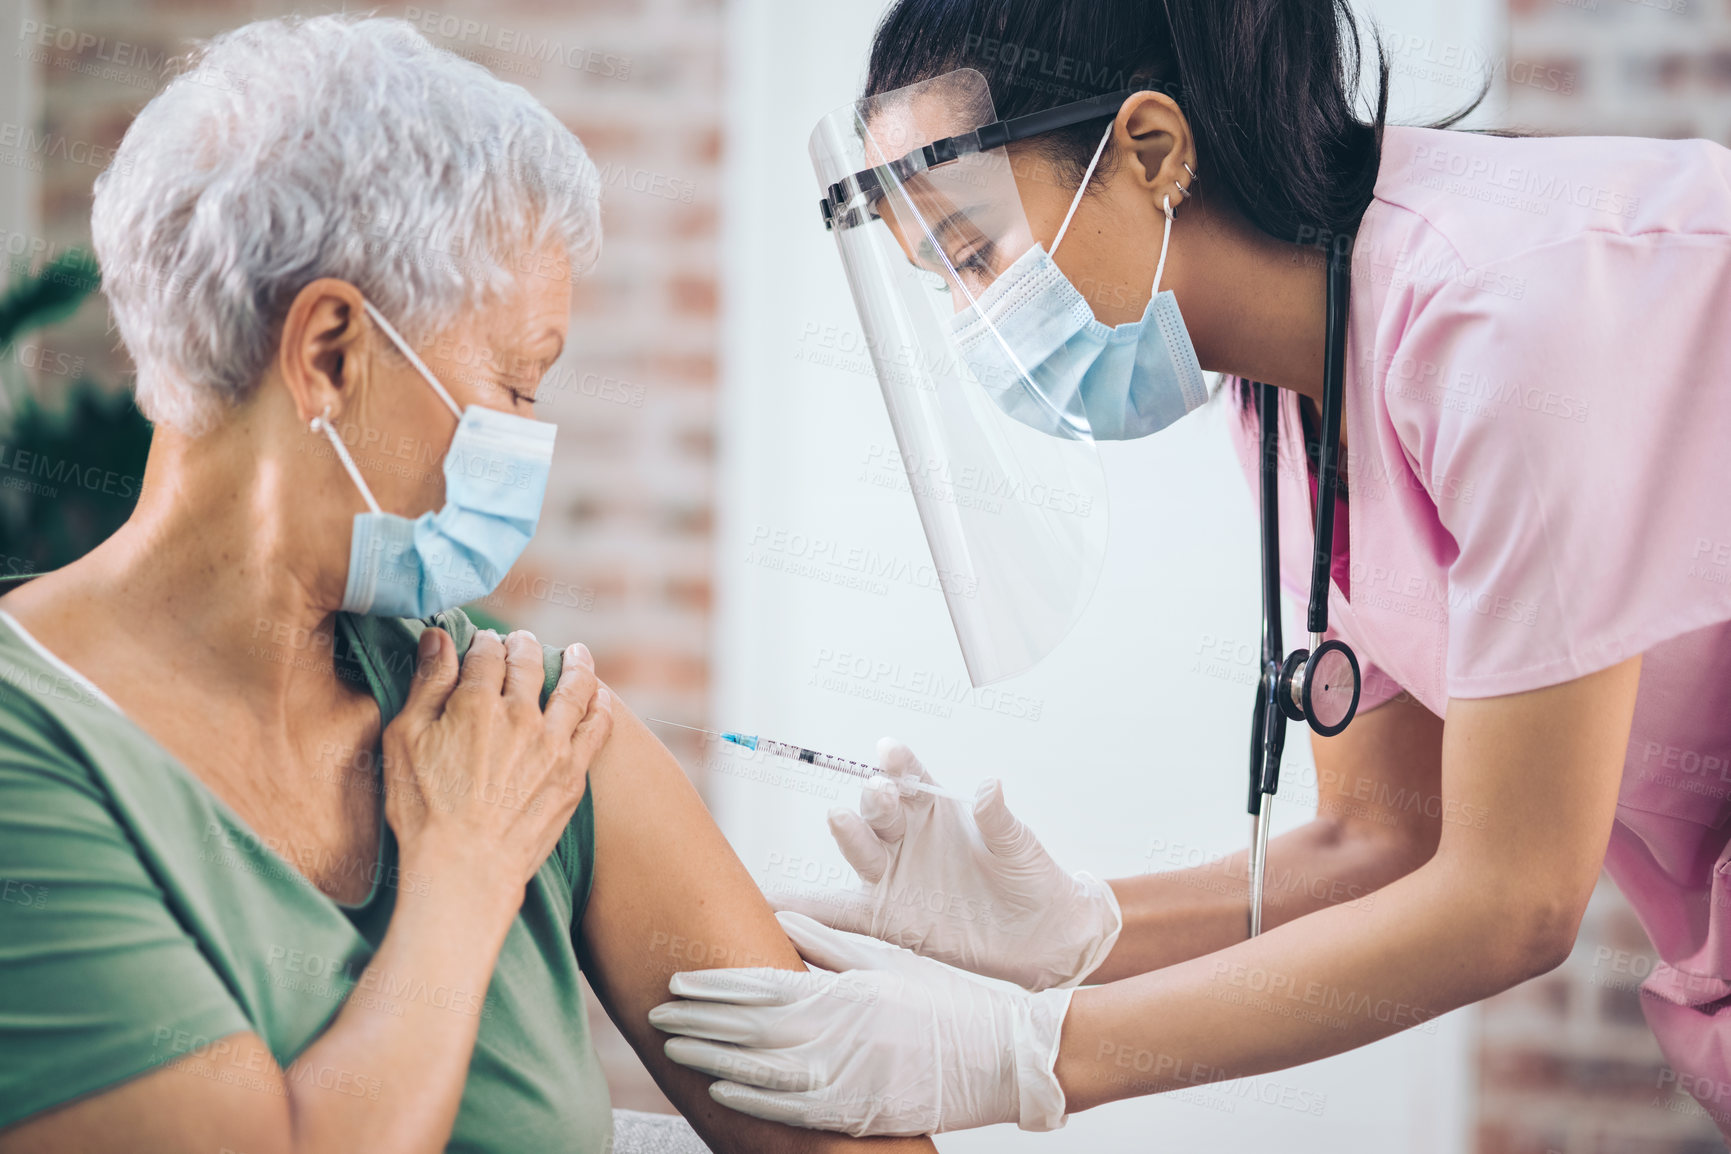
[(1268, 723)]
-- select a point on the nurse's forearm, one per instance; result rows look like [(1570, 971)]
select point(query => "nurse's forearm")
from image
[(1529, 783), (1379, 817), (1437, 939), (1181, 914)]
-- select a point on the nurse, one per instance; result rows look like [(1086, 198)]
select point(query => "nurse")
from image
[(1056, 216)]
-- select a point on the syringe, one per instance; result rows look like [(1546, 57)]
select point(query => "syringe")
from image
[(813, 757)]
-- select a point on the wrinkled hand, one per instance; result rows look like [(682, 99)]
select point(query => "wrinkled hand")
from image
[(479, 781), (972, 889), (886, 1042)]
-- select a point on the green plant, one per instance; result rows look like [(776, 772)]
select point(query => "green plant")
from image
[(70, 470)]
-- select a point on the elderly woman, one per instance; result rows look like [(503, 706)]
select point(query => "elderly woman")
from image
[(294, 859)]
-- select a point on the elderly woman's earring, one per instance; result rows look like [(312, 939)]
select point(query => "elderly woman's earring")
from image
[(322, 424)]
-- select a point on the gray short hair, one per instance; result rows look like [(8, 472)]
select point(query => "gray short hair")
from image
[(294, 149)]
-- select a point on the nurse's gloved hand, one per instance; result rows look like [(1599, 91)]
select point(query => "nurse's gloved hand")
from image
[(880, 1041), (970, 887)]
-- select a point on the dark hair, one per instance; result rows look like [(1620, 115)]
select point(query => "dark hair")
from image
[(1269, 88)]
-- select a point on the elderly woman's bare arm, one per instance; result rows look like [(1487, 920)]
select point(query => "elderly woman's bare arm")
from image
[(665, 874)]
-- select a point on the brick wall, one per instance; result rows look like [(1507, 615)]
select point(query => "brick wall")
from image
[(623, 558), (1567, 1064), (1639, 67), (1566, 1061)]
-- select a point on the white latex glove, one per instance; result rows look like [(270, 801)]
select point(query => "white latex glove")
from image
[(887, 1043), (973, 889)]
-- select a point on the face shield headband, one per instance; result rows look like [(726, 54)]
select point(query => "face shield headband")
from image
[(849, 202)]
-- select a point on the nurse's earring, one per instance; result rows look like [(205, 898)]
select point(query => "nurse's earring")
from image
[(1182, 190)]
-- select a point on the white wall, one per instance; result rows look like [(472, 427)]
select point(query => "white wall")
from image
[(1139, 749)]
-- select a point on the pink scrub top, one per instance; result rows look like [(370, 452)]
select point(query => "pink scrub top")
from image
[(1538, 412)]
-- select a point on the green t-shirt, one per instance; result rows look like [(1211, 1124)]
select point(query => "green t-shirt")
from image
[(140, 918)]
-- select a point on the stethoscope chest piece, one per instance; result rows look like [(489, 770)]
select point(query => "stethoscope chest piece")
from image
[(1320, 688)]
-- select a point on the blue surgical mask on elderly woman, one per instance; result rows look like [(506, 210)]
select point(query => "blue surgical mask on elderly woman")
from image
[(495, 480), (1032, 328)]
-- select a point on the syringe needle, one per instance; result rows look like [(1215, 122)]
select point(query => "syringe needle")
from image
[(682, 725), (811, 757), (923, 787)]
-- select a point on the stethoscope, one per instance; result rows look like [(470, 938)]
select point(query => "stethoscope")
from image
[(1318, 685)]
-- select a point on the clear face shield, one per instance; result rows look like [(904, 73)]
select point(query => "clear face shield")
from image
[(925, 209)]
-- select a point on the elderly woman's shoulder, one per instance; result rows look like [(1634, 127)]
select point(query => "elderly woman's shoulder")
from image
[(400, 635), (43, 713), (392, 640), (387, 645), (44, 747), (29, 728)]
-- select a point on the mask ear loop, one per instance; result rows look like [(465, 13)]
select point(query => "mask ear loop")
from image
[(1077, 201), (322, 423), (403, 346), (1165, 243)]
